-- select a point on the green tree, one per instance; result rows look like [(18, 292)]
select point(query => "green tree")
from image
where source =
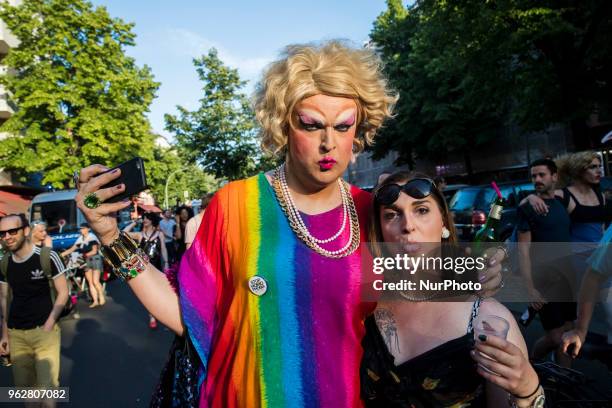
[(80, 98), (466, 68), (221, 134)]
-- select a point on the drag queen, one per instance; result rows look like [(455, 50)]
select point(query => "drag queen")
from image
[(269, 293)]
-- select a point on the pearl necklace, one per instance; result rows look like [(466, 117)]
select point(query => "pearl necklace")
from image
[(419, 299), (296, 222), (298, 217)]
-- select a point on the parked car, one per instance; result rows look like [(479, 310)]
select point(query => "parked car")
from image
[(450, 190), (470, 207)]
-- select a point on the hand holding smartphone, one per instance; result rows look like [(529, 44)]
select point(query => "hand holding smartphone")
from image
[(132, 175)]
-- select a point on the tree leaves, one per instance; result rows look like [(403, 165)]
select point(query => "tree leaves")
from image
[(81, 99), (465, 69), (221, 134)]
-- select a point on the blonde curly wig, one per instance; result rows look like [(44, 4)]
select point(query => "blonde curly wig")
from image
[(570, 167), (332, 69)]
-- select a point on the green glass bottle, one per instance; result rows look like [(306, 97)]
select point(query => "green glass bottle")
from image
[(489, 232)]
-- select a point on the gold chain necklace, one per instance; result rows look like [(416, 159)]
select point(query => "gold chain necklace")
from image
[(291, 212)]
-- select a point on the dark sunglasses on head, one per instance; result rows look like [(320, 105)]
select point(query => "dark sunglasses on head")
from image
[(415, 188), (12, 231)]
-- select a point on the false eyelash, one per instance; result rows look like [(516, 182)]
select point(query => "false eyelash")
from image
[(303, 124)]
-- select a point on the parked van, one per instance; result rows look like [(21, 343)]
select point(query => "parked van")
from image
[(59, 210)]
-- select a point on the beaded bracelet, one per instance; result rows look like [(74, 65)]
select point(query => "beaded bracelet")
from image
[(125, 257)]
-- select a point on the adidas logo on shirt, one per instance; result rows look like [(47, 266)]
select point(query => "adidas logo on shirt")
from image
[(38, 274)]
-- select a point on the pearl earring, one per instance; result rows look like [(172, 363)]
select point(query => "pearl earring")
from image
[(445, 233)]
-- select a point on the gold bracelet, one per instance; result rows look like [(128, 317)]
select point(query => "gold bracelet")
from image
[(125, 257)]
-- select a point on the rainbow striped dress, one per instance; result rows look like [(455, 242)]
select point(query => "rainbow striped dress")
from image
[(298, 344)]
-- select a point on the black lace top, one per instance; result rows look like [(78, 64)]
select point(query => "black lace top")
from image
[(151, 245), (444, 376)]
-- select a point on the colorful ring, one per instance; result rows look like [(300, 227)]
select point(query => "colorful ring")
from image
[(92, 201)]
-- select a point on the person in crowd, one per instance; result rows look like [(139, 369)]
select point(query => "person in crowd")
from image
[(30, 333), (39, 234), (88, 245), (269, 293), (168, 226), (440, 183), (193, 225), (579, 177), (419, 351), (183, 215), (151, 240), (382, 176), (552, 272), (598, 276)]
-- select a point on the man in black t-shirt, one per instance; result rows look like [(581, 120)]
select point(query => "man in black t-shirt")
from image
[(546, 266), (30, 333)]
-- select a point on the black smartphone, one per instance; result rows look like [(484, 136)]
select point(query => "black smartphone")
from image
[(132, 175)]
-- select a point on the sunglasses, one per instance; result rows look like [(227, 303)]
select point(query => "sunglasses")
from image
[(415, 188), (11, 232)]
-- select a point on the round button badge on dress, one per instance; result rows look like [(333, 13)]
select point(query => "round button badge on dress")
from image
[(258, 285)]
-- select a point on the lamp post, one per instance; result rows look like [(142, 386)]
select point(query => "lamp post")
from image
[(166, 188)]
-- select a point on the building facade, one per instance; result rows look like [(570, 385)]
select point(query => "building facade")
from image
[(7, 108)]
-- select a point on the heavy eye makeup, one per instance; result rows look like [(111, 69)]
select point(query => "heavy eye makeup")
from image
[(310, 125), (346, 124)]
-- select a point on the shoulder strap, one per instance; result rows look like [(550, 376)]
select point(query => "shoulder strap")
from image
[(45, 260), (45, 263), (4, 264), (599, 195), (4, 269), (475, 310), (566, 197)]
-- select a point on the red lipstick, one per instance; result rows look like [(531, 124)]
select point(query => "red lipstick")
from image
[(326, 163)]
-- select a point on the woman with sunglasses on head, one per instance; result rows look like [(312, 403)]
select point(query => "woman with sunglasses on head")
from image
[(39, 234), (419, 347), (269, 290)]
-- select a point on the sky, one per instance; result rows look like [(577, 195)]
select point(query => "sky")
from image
[(247, 34)]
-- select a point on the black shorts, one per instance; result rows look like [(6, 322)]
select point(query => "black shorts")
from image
[(555, 314)]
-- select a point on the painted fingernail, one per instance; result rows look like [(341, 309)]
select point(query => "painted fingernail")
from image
[(115, 171), (492, 262), (119, 187), (482, 337), (482, 278)]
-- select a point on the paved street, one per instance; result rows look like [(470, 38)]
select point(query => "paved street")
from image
[(110, 358), (597, 373)]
